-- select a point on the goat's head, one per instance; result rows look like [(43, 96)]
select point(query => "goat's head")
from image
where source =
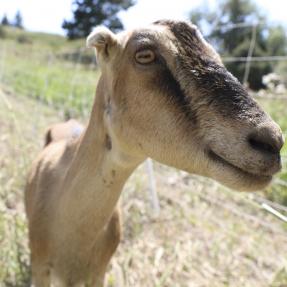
[(169, 97)]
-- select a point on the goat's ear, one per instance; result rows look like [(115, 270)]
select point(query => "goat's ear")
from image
[(102, 39)]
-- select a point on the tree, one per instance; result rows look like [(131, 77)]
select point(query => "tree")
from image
[(18, 20), (236, 42), (90, 13), (5, 21), (277, 41)]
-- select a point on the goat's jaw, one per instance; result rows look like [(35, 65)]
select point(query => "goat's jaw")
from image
[(235, 177)]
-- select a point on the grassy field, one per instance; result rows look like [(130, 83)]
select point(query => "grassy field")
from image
[(205, 235), (278, 110), (50, 69)]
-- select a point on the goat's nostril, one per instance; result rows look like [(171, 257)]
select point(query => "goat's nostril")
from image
[(263, 146), (266, 139)]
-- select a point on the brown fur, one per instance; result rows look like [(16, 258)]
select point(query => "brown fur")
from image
[(181, 108)]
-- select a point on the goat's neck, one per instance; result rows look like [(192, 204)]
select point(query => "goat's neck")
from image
[(96, 176)]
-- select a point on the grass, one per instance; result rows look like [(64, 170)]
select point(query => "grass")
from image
[(48, 68), (277, 109), (206, 235), (21, 124)]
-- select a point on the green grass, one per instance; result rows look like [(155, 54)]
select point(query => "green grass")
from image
[(49, 68), (22, 124), (277, 108)]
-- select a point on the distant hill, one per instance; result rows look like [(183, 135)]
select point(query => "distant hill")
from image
[(26, 37)]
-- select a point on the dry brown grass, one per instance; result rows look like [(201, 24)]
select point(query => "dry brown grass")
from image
[(205, 235)]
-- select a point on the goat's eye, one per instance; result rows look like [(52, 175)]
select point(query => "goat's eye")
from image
[(145, 57)]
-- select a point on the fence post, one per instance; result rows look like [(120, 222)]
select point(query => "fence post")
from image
[(250, 54), (152, 188)]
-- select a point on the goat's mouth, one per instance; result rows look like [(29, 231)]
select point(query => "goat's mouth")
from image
[(238, 170)]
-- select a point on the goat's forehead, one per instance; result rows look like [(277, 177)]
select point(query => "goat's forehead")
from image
[(190, 40), (152, 33), (164, 33)]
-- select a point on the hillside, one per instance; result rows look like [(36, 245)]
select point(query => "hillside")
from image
[(48, 68), (206, 235)]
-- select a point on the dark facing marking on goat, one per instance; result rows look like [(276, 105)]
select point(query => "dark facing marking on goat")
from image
[(167, 83), (196, 68)]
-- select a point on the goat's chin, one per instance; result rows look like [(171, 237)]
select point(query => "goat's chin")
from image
[(236, 178), (243, 183)]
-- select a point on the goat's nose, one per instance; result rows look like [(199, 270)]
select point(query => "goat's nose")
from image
[(267, 139)]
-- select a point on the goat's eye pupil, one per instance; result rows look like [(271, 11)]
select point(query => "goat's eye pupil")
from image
[(145, 57)]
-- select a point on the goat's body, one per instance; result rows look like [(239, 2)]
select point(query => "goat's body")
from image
[(50, 256), (164, 94)]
